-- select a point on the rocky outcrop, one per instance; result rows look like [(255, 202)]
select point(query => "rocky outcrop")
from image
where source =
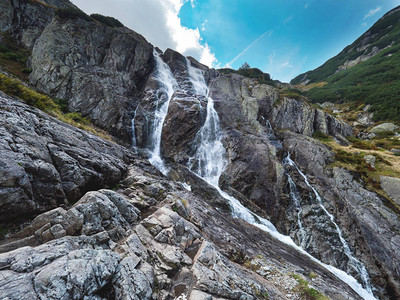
[(46, 163), (25, 20), (98, 69), (392, 187), (356, 210), (385, 127), (103, 247), (186, 115), (159, 238), (262, 101)]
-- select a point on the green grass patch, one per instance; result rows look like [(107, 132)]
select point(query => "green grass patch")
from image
[(14, 87), (319, 135), (307, 292), (354, 159), (361, 144), (108, 21), (254, 73), (291, 94), (56, 108)]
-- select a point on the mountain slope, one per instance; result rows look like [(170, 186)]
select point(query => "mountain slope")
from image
[(367, 71), (159, 237)]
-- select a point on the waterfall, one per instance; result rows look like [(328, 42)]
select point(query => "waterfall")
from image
[(168, 85), (196, 77), (209, 162), (295, 196), (133, 129), (354, 262)]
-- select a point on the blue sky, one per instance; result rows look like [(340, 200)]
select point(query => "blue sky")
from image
[(280, 37)]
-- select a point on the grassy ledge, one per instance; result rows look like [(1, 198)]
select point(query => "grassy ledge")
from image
[(54, 107)]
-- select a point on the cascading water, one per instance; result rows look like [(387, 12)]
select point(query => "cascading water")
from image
[(168, 85), (196, 77), (133, 129), (354, 262), (271, 135), (209, 162), (295, 196)]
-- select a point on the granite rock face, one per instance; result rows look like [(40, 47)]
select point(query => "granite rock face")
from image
[(46, 163), (110, 249), (26, 20), (161, 237), (99, 70)]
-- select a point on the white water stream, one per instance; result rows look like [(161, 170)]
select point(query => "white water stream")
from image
[(168, 85), (354, 262), (294, 194), (209, 162)]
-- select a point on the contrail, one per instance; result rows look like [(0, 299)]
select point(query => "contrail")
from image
[(229, 64)]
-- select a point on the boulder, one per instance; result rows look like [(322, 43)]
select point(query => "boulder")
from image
[(391, 186), (385, 127), (370, 159)]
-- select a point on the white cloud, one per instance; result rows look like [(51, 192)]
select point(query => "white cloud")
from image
[(286, 64), (203, 25), (306, 6), (364, 24), (372, 12), (158, 21)]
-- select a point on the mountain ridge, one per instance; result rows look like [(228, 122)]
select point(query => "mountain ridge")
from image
[(364, 72)]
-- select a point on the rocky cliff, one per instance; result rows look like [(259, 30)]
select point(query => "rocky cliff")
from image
[(87, 218)]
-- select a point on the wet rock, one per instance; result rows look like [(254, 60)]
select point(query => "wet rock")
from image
[(185, 117)]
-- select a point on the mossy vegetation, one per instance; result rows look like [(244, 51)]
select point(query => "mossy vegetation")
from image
[(108, 21), (291, 94), (353, 159), (56, 108), (307, 292), (13, 57), (319, 135), (72, 13), (14, 87), (255, 73)]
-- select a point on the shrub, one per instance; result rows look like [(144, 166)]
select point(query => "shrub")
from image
[(360, 144), (4, 49), (246, 71), (14, 87), (108, 21), (385, 134), (77, 117), (307, 292), (62, 104), (26, 70), (319, 135), (72, 13), (349, 158)]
